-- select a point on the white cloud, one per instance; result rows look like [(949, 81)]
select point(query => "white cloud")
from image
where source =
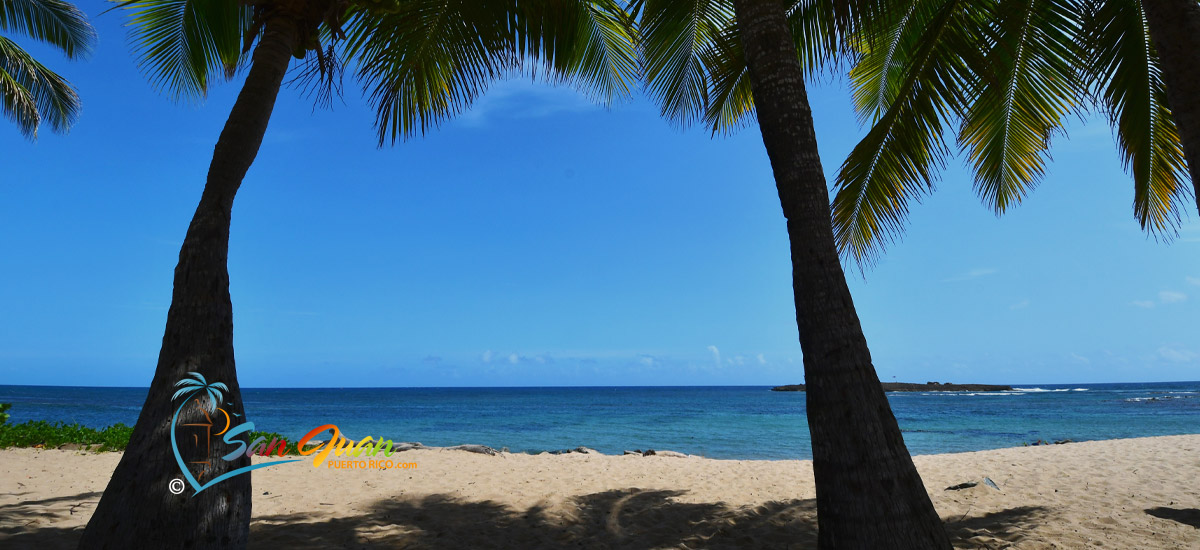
[(1177, 355), (1143, 303), (972, 274), (761, 360), (487, 356), (646, 360), (1171, 297), (716, 354), (1193, 280), (520, 98), (1020, 305), (1081, 359), (513, 358)]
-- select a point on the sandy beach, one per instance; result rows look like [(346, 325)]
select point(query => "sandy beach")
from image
[(1133, 493)]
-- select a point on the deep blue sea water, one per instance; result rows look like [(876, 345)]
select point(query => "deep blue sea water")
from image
[(718, 422)]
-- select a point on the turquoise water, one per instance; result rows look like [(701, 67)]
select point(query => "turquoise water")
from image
[(719, 422)]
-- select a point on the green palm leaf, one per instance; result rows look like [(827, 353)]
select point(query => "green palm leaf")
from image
[(897, 160), (1030, 82), (180, 44), (1125, 66), (33, 93), (54, 22), (427, 60), (676, 37)]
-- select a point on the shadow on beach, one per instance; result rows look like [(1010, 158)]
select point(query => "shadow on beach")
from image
[(1186, 516), (30, 523), (627, 518)]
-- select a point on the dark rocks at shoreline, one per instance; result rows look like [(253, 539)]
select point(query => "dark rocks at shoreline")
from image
[(928, 386)]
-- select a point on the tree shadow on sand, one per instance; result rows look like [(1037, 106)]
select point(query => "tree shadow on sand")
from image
[(32, 523), (1186, 516), (626, 519)]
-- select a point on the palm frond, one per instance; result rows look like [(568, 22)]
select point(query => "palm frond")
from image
[(676, 36), (54, 22), (33, 93), (428, 60), (898, 159), (1029, 84), (731, 100), (1125, 68), (424, 63), (181, 44), (588, 43), (878, 74)]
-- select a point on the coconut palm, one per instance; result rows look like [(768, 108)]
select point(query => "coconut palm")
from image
[(420, 62), (30, 93), (1009, 73), (717, 61)]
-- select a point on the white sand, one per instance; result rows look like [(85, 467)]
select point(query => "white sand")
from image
[(1124, 494)]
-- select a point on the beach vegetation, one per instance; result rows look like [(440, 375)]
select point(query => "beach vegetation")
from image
[(31, 93), (50, 435)]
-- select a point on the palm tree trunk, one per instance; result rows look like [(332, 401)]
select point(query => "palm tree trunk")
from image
[(1174, 27), (137, 509), (869, 494)]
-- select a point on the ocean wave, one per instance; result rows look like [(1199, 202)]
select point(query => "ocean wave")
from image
[(1160, 398), (1042, 390)]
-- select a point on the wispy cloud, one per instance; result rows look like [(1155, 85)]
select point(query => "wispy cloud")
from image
[(521, 98), (1177, 355), (972, 274), (716, 354), (1172, 297), (1193, 280), (1081, 359), (1143, 303), (1020, 305), (486, 357), (761, 360)]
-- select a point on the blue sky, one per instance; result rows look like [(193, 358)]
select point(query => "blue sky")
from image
[(542, 240)]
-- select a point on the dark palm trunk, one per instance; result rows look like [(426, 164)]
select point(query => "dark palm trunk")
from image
[(137, 509), (1175, 31), (869, 495)]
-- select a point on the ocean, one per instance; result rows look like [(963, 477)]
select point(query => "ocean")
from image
[(741, 422)]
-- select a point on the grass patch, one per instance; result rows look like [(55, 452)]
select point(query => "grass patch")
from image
[(50, 435), (39, 433)]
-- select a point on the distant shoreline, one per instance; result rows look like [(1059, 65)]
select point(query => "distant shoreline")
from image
[(928, 386)]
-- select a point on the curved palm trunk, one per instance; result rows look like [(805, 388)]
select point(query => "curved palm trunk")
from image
[(1174, 27), (137, 509), (869, 495)]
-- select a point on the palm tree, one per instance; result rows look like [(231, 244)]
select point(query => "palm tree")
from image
[(422, 61), (1010, 72), (717, 61), (30, 92)]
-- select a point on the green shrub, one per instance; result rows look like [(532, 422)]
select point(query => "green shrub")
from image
[(40, 432), (4, 412)]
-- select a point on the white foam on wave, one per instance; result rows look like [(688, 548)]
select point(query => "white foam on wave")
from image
[(1040, 390)]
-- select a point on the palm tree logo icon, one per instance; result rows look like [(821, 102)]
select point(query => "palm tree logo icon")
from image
[(205, 396)]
